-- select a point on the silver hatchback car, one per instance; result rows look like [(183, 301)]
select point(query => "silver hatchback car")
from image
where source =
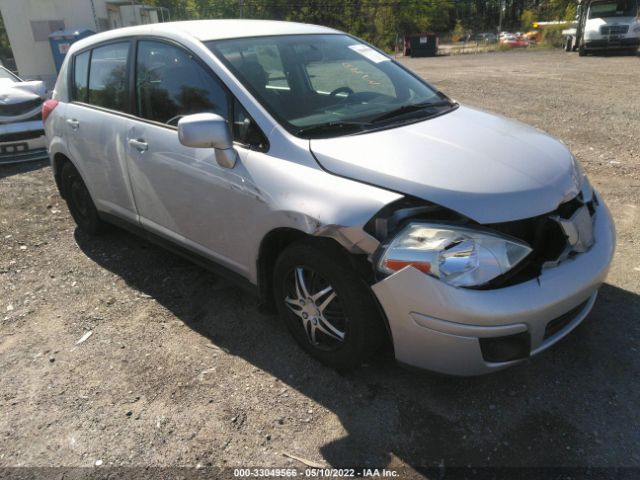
[(359, 201)]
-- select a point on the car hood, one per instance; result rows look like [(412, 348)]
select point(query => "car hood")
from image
[(483, 166), (20, 92)]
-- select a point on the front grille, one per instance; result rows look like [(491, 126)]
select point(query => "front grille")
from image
[(19, 108), (614, 29), (559, 323), (15, 137), (546, 238)]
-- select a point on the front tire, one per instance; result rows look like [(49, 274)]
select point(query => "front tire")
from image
[(328, 308), (79, 202)]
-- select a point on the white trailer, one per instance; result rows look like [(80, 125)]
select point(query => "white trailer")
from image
[(604, 25)]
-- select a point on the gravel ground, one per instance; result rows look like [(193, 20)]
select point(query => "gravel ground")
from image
[(181, 369)]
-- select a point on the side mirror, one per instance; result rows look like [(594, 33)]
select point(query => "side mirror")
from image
[(208, 130)]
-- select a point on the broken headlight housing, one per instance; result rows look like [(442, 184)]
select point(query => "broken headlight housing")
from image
[(458, 256)]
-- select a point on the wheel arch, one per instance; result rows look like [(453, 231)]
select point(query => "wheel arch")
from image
[(278, 239), (57, 162), (272, 244)]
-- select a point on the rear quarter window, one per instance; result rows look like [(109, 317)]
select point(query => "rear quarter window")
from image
[(80, 77)]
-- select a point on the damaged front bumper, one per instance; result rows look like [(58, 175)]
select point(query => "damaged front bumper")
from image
[(461, 331), (22, 142)]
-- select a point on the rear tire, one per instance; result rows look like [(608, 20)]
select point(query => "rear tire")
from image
[(341, 327), (582, 51), (79, 202)]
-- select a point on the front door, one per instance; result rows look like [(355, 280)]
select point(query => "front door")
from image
[(181, 193)]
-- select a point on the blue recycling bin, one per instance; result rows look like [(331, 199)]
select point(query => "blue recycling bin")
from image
[(61, 40)]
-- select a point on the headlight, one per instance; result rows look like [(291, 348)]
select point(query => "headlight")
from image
[(459, 256), (636, 29)]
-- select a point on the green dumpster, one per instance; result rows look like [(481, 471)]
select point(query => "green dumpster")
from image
[(423, 44)]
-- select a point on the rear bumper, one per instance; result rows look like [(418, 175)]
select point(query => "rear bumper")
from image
[(438, 327), (22, 142)]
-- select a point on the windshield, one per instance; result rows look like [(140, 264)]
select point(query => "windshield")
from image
[(327, 84), (6, 74), (619, 8)]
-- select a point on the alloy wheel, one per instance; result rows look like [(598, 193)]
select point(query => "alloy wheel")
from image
[(312, 300)]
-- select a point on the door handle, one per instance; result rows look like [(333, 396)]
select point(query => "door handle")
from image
[(73, 123), (139, 144)]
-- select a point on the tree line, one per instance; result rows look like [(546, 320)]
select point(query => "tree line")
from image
[(381, 21)]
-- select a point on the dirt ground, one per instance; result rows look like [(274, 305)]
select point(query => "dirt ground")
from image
[(182, 370)]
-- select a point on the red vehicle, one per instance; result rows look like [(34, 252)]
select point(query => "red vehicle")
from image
[(514, 41)]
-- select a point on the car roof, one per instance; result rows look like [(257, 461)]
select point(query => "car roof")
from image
[(205, 30)]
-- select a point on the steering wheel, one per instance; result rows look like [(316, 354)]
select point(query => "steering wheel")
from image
[(341, 90)]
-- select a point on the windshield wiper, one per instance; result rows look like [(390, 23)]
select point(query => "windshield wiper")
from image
[(411, 107), (338, 125), (328, 127)]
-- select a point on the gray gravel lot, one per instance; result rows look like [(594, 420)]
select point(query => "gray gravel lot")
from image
[(182, 369)]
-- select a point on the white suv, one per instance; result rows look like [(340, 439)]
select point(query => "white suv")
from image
[(337, 185)]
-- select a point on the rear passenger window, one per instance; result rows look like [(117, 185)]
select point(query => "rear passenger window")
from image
[(108, 76), (171, 84), (80, 77)]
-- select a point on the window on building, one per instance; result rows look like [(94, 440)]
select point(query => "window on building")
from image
[(108, 76)]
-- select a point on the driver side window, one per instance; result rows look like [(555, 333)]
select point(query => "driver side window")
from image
[(171, 84)]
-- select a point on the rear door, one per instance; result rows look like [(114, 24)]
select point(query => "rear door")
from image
[(96, 122)]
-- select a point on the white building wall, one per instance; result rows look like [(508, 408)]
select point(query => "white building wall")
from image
[(33, 57)]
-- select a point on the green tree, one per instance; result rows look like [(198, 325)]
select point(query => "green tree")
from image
[(527, 18), (570, 13), (181, 9), (4, 39), (6, 54), (458, 31), (381, 21)]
